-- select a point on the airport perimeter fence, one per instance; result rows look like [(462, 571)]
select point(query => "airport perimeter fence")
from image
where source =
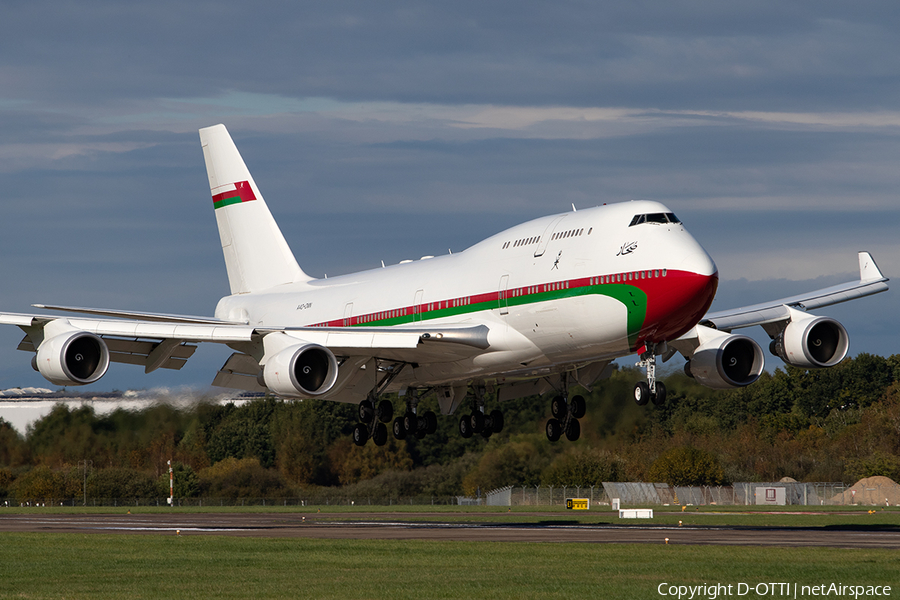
[(629, 494), (741, 494)]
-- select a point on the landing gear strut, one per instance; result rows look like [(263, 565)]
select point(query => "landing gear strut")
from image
[(645, 391), (565, 415), (374, 415), (477, 421)]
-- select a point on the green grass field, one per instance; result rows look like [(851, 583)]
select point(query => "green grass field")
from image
[(183, 567), (96, 566)]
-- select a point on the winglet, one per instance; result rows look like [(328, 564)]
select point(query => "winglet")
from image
[(868, 270)]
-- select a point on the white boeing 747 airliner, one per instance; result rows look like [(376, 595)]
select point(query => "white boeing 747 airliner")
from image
[(534, 309)]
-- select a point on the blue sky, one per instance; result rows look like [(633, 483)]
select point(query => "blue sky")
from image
[(393, 130)]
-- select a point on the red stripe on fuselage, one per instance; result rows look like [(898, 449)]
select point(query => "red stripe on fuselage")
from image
[(675, 304)]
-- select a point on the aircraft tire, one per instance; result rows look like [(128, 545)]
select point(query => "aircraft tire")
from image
[(573, 430), (430, 422), (487, 432), (497, 421), (558, 407), (410, 422), (465, 426), (477, 421), (578, 407), (366, 411), (554, 430), (641, 393), (385, 411), (659, 398), (399, 429), (380, 435), (360, 434)]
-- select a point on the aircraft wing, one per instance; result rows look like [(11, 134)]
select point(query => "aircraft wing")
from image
[(871, 281), (167, 341)]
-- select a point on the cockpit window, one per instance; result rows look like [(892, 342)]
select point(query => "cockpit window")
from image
[(658, 218)]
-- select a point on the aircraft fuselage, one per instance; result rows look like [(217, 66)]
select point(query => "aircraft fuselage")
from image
[(570, 288)]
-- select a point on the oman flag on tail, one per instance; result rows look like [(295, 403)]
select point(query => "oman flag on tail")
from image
[(242, 193)]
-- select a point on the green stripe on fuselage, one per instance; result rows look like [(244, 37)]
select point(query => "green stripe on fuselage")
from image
[(634, 299)]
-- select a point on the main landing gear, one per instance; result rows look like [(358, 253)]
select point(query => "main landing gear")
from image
[(411, 423), (477, 421), (565, 417), (373, 422), (650, 390)]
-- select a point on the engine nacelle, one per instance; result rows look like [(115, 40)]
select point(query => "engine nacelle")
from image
[(302, 371), (72, 358), (726, 361), (811, 343)]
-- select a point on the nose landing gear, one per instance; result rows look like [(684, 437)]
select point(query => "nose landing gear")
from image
[(650, 390)]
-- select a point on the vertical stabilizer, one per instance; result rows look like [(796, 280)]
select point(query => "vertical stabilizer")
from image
[(256, 254)]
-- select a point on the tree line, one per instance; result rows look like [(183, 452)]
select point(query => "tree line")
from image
[(839, 424)]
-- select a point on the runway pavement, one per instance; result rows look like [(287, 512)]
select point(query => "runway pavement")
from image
[(441, 526)]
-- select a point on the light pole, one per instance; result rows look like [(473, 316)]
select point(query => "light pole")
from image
[(171, 485), (84, 465)]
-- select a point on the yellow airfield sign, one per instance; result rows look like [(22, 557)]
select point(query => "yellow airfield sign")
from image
[(578, 503)]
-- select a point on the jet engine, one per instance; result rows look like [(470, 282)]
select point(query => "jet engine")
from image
[(726, 361), (811, 343), (301, 371), (72, 358)]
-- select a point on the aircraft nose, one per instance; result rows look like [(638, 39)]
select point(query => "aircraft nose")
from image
[(697, 260), (686, 296)]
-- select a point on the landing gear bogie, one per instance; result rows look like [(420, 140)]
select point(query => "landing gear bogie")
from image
[(479, 422), (566, 413)]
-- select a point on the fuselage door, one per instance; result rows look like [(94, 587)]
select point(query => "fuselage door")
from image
[(348, 314), (548, 233), (502, 295), (417, 305)]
